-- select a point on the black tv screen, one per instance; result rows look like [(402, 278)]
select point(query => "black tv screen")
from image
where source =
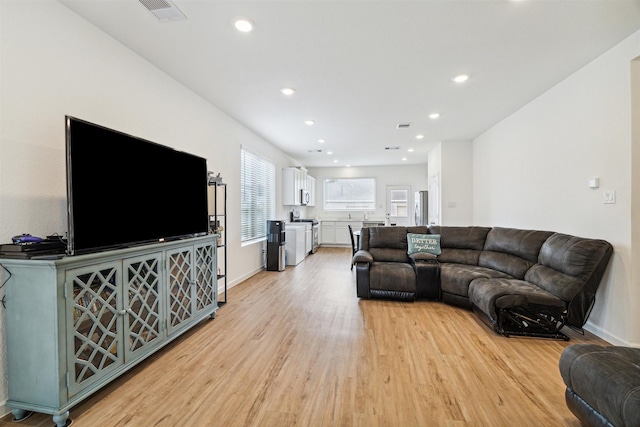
[(123, 190)]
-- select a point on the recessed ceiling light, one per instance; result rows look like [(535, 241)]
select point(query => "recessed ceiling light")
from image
[(335, 161), (461, 78), (404, 159), (348, 166), (329, 152), (288, 91), (309, 122), (410, 150), (244, 25), (322, 141), (434, 115), (419, 136)]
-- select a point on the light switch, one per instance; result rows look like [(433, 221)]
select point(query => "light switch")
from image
[(609, 196), (594, 182)]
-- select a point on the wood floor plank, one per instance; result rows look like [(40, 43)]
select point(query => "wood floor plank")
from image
[(299, 348)]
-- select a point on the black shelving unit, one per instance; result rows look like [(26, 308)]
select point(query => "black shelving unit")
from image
[(219, 226)]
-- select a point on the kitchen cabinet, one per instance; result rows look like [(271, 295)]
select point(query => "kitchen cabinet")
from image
[(327, 232), (342, 231), (294, 180), (311, 188), (337, 232)]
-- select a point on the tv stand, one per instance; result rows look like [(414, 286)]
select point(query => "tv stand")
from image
[(75, 324)]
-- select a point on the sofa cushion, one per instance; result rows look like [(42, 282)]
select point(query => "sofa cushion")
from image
[(559, 284), (461, 237), (572, 255), (388, 244), (606, 378), (511, 250), (392, 276), (427, 243), (459, 256), (388, 237), (389, 255), (492, 294), (565, 263), (460, 245), (455, 278)]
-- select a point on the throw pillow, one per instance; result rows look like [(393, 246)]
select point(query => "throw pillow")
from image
[(429, 243)]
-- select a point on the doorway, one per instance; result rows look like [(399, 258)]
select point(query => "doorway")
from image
[(399, 204)]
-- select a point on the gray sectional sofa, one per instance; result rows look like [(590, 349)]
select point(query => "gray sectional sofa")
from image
[(521, 282), (603, 384)]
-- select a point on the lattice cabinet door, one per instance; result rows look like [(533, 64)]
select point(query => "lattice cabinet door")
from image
[(205, 277), (180, 296), (144, 304), (95, 317)]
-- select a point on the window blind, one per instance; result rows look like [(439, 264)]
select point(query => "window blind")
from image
[(258, 196)]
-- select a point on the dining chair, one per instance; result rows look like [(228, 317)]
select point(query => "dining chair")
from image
[(354, 248)]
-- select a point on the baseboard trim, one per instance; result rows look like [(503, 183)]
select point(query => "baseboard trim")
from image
[(608, 337), (4, 409)]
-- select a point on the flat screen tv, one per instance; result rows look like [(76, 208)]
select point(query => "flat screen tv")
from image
[(123, 190)]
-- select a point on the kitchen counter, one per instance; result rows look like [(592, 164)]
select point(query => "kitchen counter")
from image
[(374, 220)]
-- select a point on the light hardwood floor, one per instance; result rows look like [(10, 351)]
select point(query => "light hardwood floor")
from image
[(298, 348)]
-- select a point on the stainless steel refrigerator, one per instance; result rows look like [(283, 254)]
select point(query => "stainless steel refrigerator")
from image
[(421, 208)]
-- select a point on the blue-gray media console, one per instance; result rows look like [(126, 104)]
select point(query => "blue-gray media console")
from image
[(76, 323)]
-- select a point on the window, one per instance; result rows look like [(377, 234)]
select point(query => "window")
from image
[(258, 195), (349, 194)]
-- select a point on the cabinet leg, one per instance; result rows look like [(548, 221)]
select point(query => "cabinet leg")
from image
[(62, 420), (20, 414)]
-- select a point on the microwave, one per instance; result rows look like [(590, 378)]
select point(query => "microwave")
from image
[(304, 197)]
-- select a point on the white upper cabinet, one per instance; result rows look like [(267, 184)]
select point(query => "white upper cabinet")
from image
[(297, 187)]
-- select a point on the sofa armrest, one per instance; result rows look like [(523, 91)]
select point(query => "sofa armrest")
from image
[(423, 257), (362, 260), (427, 270), (363, 256)]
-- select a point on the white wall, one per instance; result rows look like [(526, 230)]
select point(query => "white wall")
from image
[(531, 171), (413, 175), (456, 183), (635, 194), (434, 166), (55, 63)]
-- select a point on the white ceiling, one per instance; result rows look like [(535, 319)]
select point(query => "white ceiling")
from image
[(362, 67)]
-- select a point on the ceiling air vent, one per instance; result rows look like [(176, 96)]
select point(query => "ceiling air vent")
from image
[(391, 148), (403, 125), (164, 10), (314, 151)]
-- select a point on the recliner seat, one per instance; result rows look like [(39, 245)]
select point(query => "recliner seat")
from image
[(383, 267)]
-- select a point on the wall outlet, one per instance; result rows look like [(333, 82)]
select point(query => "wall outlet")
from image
[(609, 196)]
